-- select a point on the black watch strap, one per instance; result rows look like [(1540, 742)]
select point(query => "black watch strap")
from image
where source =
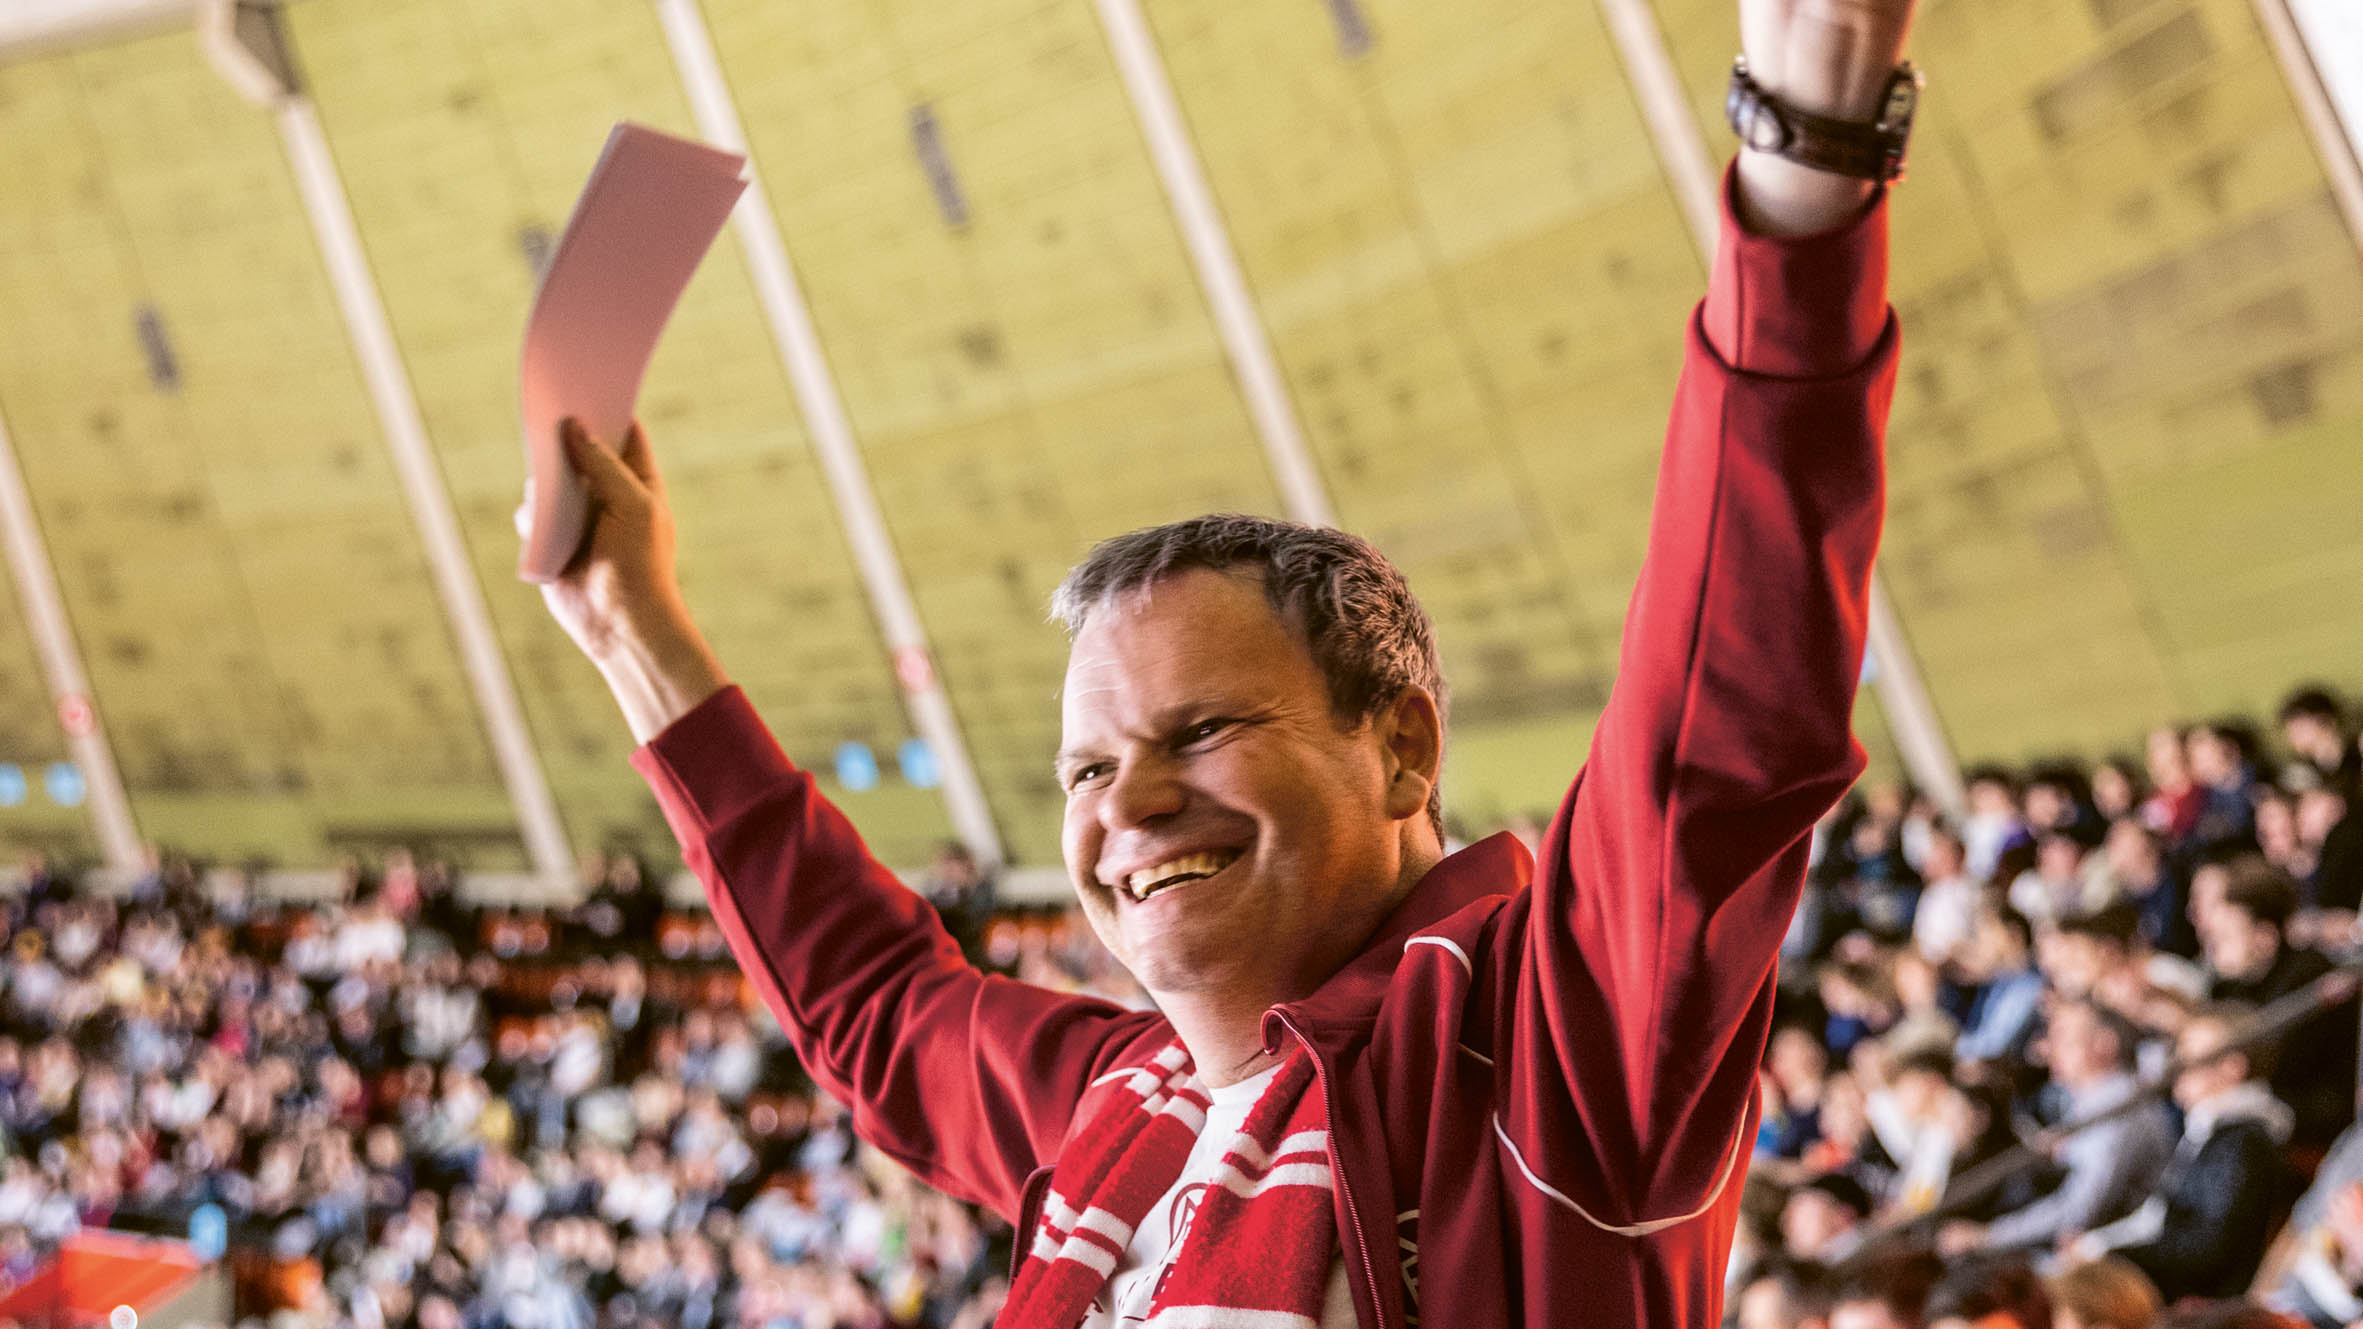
[(1872, 151)]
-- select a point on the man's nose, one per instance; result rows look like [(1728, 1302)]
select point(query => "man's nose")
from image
[(1142, 792)]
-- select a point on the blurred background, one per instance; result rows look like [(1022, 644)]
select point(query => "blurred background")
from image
[(326, 831)]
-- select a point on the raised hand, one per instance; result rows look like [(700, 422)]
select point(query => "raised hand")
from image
[(620, 599), (1829, 57)]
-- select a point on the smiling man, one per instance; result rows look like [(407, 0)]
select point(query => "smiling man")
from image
[(1381, 1084)]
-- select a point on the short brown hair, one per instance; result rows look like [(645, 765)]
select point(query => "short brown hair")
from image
[(1358, 617), (2262, 891), (2108, 1293)]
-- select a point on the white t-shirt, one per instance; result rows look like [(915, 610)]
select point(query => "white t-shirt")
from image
[(1124, 1302)]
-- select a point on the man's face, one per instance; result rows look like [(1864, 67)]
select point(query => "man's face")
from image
[(1204, 766), (2236, 945), (2313, 736), (2058, 858), (1863, 1314), (2133, 858), (2082, 1050), (2207, 895), (2074, 963), (1811, 1221), (1944, 858), (1991, 798), (2169, 767), (2214, 761), (2047, 806), (1762, 1305), (2197, 1083)]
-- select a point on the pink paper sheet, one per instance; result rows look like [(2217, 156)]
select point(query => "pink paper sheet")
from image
[(652, 208)]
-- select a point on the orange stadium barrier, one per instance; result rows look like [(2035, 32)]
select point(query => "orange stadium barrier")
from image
[(97, 1271)]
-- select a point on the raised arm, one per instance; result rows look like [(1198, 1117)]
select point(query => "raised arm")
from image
[(970, 1081), (1669, 875)]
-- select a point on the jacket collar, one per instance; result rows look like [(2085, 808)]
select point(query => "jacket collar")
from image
[(2250, 1100), (1493, 868)]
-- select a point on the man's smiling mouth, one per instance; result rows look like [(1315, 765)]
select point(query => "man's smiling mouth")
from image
[(1174, 872)]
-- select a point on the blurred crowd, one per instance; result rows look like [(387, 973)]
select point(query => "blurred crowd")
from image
[(2081, 1053), (391, 1110)]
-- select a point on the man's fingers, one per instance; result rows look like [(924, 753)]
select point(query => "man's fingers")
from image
[(640, 460), (611, 482)]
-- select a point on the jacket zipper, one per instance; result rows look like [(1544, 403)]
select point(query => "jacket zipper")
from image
[(1337, 1165)]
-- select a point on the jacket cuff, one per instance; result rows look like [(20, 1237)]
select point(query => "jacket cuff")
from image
[(712, 762), (1810, 306)]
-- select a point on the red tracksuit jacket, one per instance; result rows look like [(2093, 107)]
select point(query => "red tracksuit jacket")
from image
[(1540, 1079)]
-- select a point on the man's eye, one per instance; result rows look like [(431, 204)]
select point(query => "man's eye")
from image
[(1083, 775), (1203, 730)]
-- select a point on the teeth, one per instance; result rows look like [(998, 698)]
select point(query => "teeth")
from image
[(1189, 867)]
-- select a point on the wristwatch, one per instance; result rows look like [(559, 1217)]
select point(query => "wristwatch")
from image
[(1873, 151)]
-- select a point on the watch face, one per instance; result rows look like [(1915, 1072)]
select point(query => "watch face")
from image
[(1903, 97), (1761, 127)]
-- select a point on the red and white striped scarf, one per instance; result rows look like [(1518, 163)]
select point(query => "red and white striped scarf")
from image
[(1259, 1248)]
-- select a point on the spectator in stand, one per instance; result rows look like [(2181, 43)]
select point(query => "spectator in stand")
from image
[(1885, 886), (2058, 885), (1795, 1065), (1948, 904), (2108, 1293), (2330, 851), (1998, 964), (2223, 765), (2315, 1267), (1994, 824), (1785, 1293), (2109, 1166), (1923, 1023), (1823, 1219), (1887, 1290), (2176, 799), (2058, 801), (2102, 956), (1918, 1116), (962, 893), (1860, 997), (2116, 790), (2202, 1232), (2322, 749), (2135, 860), (2249, 960), (1990, 1293)]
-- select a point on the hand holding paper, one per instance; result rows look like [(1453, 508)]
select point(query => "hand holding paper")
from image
[(652, 208)]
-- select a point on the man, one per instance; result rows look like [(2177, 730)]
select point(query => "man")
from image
[(1785, 1293), (2102, 955), (2137, 867), (1948, 907), (2202, 1231), (2314, 726), (1999, 962), (2109, 1166), (2315, 1267), (2000, 1293), (1525, 1087), (1823, 1219), (1887, 1289), (2222, 757), (1995, 824), (2244, 941)]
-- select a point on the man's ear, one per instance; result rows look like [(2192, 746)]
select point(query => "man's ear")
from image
[(1412, 732)]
